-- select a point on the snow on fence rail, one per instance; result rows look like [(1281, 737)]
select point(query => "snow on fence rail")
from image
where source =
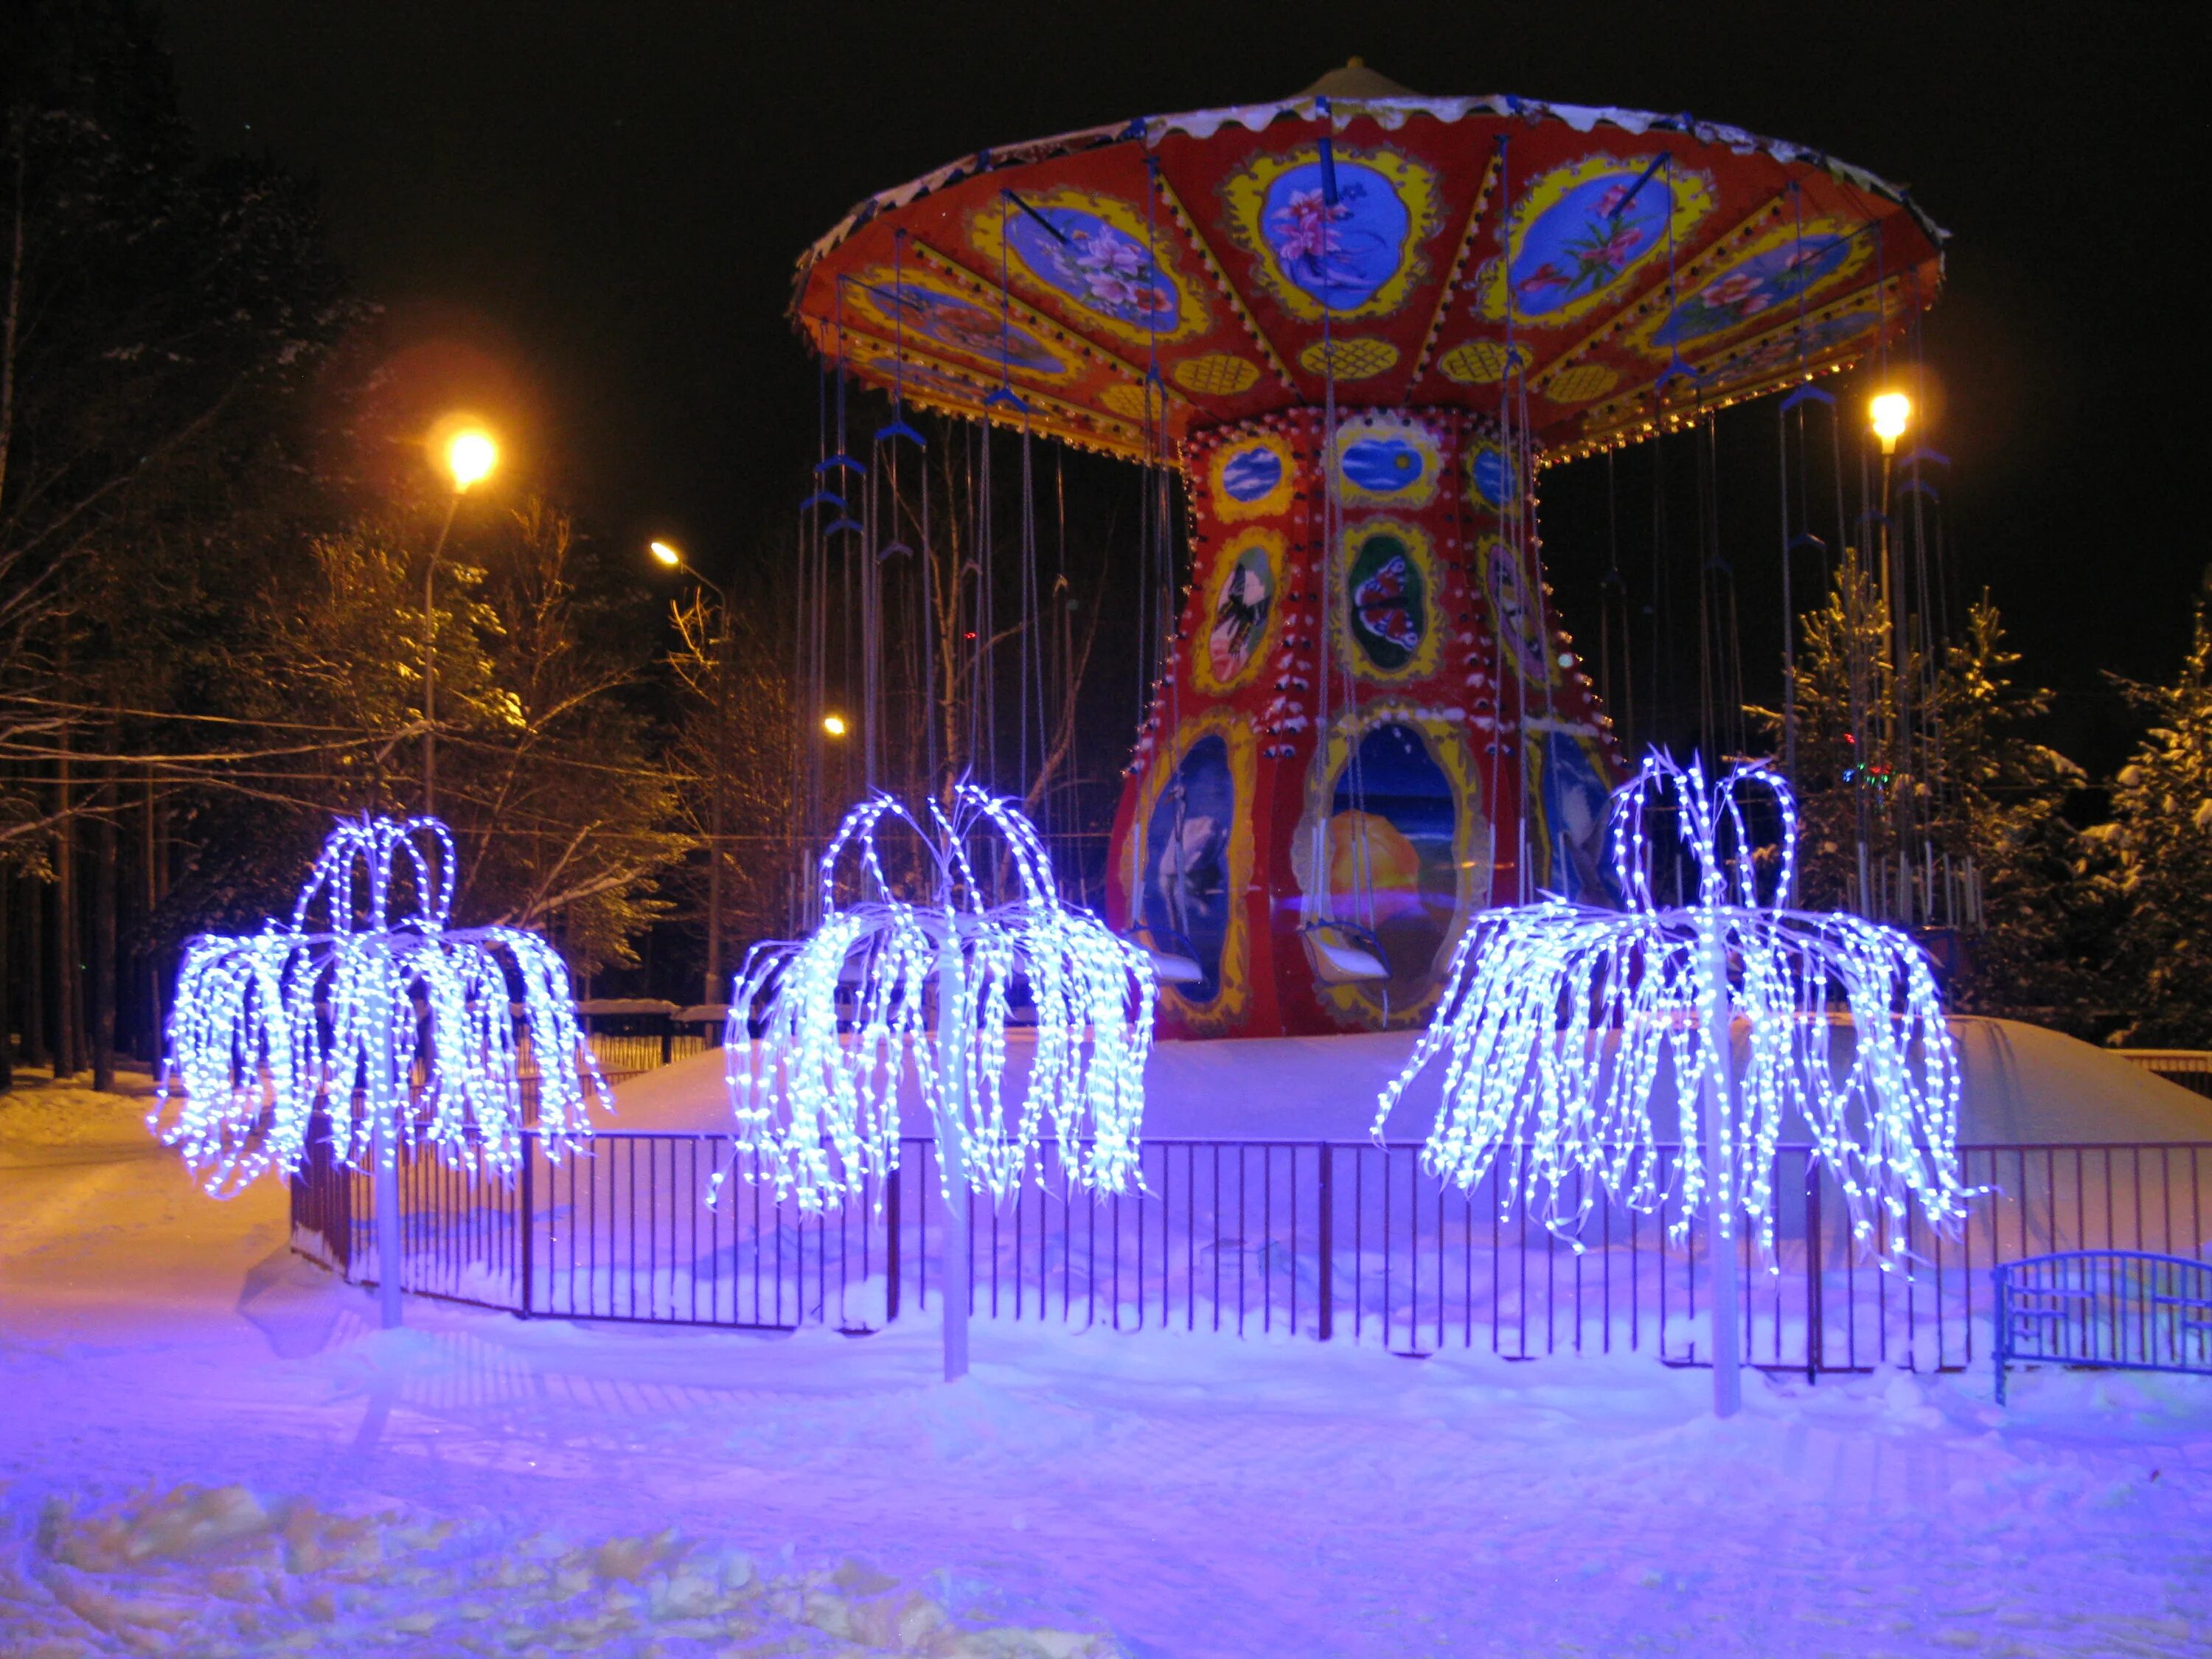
[(1325, 1240)]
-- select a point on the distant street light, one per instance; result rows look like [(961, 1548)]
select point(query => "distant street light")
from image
[(668, 554), (834, 724), (471, 453)]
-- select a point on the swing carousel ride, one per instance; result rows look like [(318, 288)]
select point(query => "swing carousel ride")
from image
[(1357, 324)]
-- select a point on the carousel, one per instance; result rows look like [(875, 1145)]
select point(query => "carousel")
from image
[(1355, 327)]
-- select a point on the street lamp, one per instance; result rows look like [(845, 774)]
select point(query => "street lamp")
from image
[(470, 454), (834, 724), (669, 555), (1891, 412)]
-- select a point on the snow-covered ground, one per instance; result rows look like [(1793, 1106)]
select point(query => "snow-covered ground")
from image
[(205, 1448)]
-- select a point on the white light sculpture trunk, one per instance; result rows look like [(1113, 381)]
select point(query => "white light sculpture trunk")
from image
[(1557, 1022), (402, 1028), (931, 987)]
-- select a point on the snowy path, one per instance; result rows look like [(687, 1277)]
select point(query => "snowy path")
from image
[(1192, 1496)]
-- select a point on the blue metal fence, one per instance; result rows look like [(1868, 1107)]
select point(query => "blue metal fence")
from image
[(2111, 1310), (1265, 1240)]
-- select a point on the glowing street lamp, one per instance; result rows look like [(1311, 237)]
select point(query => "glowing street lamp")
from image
[(470, 454), (834, 724), (666, 554), (470, 457)]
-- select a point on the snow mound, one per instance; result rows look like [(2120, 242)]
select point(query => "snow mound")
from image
[(217, 1570), (2022, 1083), (42, 1110)]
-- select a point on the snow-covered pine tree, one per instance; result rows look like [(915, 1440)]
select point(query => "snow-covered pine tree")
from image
[(1963, 779), (1850, 767), (2001, 797), (2157, 867)]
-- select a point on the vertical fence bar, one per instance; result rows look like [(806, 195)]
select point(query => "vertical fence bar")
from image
[(891, 1245), (1816, 1256), (525, 1215), (1325, 1313)]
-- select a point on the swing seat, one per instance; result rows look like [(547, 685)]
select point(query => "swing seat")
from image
[(1344, 954), (1174, 969), (1175, 959)]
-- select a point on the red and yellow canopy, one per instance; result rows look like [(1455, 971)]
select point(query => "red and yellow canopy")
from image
[(1218, 265)]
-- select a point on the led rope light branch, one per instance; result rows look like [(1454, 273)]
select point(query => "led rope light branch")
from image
[(402, 1028), (1557, 1022), (931, 987), (816, 1106)]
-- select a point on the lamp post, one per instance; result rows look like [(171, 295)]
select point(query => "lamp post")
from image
[(1890, 413), (669, 555), (470, 454)]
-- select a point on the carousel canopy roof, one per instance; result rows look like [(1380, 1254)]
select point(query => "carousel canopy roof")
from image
[(1218, 265)]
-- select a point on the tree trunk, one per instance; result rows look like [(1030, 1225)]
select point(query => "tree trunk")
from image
[(149, 964), (69, 976), (103, 945), (35, 1048), (7, 985), (11, 310)]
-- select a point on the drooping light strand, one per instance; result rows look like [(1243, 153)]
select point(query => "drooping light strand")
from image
[(1558, 1024), (403, 1028), (846, 1015)]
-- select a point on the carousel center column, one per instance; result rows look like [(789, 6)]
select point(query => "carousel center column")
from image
[(1332, 777)]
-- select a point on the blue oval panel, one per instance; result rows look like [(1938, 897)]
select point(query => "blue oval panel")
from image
[(1753, 287), (1584, 242), (1382, 466), (1098, 267), (1250, 473), (1493, 476), (1341, 253), (1187, 897)]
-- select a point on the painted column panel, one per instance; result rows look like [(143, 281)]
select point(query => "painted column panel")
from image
[(1292, 839)]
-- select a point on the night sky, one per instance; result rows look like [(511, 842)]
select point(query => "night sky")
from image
[(601, 204)]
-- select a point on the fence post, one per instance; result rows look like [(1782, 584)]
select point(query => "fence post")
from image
[(1815, 1349), (891, 1244), (1717, 1108), (1327, 1327), (384, 1153), (525, 1213), (667, 1040), (954, 1035)]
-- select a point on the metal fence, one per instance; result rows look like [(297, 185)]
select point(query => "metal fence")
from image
[(2120, 1309), (1265, 1240), (624, 1055), (2190, 1067)]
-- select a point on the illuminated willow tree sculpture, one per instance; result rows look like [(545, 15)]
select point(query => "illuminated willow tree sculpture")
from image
[(401, 1028), (1557, 1022), (927, 989)]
